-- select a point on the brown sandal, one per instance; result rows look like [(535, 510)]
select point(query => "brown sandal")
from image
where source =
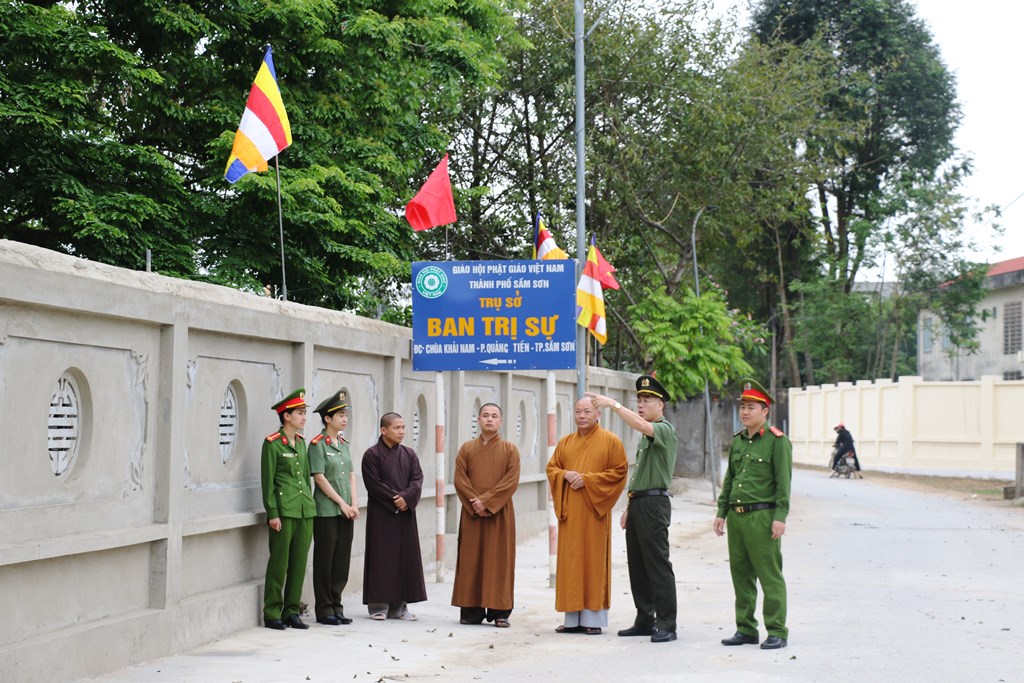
[(569, 629), (502, 623)]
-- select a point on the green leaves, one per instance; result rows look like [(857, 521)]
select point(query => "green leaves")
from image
[(690, 339), (117, 118)]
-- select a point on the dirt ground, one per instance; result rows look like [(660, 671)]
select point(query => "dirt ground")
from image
[(959, 487)]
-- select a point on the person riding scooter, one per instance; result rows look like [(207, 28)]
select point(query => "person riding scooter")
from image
[(843, 448)]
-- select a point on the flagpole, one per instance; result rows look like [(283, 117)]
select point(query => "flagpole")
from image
[(581, 202), (280, 227)]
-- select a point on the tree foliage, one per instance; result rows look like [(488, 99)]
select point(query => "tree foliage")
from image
[(888, 191), (72, 178), (791, 158), (895, 98), (676, 121), (155, 92), (692, 339)]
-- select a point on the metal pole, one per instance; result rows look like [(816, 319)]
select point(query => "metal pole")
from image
[(549, 389), (709, 438), (581, 199), (280, 226), (439, 474), (775, 355)]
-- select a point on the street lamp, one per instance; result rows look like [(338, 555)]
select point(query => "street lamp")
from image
[(709, 439)]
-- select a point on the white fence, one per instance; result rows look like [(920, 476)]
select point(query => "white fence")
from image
[(949, 428)]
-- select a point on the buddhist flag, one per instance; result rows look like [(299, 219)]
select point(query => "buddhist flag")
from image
[(434, 204), (590, 298), (544, 246), (264, 130), (604, 269)]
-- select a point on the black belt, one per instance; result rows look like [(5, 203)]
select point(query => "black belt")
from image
[(649, 492), (753, 506)]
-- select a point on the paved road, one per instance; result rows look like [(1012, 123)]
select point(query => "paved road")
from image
[(885, 584)]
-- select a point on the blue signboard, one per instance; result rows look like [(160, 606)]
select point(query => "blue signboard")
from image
[(493, 315)]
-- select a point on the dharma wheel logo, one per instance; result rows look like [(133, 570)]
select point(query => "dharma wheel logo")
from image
[(431, 282)]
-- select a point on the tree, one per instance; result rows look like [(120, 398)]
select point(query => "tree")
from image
[(927, 248), (677, 120), (156, 90), (71, 179), (895, 96), (694, 339)]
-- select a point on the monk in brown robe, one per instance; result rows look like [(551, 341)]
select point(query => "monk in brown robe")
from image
[(486, 476), (587, 474), (392, 565)]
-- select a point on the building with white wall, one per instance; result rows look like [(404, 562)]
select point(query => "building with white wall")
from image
[(999, 335)]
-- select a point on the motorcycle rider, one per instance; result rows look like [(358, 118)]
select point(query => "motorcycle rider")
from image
[(844, 447)]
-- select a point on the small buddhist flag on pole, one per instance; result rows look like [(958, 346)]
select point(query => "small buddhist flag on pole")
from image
[(544, 246), (590, 298), (264, 131), (434, 204), (604, 269)]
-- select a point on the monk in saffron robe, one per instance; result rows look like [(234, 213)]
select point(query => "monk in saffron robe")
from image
[(486, 477), (392, 567), (587, 474)]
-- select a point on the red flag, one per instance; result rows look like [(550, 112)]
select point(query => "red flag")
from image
[(604, 271), (434, 204)]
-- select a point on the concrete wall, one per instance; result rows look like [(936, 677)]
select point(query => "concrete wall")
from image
[(133, 407), (688, 417), (951, 428)]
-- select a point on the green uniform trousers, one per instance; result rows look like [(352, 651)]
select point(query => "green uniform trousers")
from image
[(754, 556), (286, 568), (651, 578), (332, 554)]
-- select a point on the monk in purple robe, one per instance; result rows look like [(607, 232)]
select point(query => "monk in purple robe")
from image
[(393, 567)]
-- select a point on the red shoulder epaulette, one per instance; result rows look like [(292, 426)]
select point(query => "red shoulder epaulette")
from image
[(274, 437), (776, 431), (317, 439)]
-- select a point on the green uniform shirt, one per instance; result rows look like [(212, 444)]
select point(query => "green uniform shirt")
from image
[(330, 458), (760, 471), (284, 473), (655, 458)]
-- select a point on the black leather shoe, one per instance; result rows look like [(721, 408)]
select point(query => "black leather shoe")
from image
[(662, 636), (330, 620), (636, 631), (275, 624), (773, 643), (293, 621), (741, 639), (342, 619)]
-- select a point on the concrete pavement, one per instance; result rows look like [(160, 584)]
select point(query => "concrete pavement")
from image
[(885, 584)]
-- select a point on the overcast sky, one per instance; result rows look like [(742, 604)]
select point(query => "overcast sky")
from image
[(980, 43)]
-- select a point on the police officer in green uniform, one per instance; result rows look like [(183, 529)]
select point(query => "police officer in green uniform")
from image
[(755, 503), (288, 500), (647, 518), (336, 509)]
